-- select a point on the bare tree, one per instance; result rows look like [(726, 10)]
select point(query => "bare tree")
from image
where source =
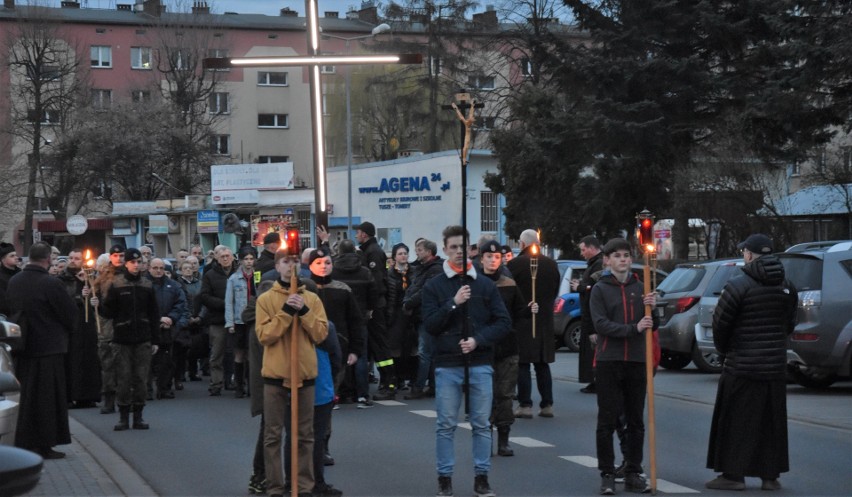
[(832, 169), (47, 81)]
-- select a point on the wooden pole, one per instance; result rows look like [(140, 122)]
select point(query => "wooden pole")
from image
[(649, 375), (294, 392), (533, 275)]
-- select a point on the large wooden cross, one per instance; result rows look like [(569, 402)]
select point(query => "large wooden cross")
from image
[(313, 61)]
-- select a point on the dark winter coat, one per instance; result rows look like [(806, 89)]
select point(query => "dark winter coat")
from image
[(41, 305), (396, 282), (585, 363), (488, 319), (616, 309), (755, 313), (342, 310), (5, 275), (518, 309), (132, 306), (348, 269), (541, 348), (171, 300), (375, 259), (414, 294), (265, 262), (214, 283)]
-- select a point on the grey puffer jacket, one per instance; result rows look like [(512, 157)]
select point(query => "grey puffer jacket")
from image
[(755, 313)]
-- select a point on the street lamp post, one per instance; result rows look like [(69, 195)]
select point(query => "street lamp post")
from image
[(381, 28)]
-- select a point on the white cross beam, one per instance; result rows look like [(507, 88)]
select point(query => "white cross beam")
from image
[(313, 61)]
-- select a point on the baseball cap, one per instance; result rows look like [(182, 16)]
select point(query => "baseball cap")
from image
[(757, 243)]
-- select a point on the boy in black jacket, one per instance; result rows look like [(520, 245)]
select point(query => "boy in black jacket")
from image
[(618, 313)]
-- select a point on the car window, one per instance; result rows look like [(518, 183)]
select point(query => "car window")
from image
[(720, 278), (804, 272), (682, 279), (847, 265)]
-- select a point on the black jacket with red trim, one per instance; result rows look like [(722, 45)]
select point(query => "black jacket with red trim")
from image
[(616, 309)]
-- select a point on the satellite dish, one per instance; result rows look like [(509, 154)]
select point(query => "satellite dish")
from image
[(231, 224)]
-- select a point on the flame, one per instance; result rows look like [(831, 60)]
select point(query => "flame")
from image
[(534, 249), (90, 262), (88, 255), (650, 248)]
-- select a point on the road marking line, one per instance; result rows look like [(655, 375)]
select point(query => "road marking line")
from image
[(529, 442), (587, 461), (465, 425), (426, 413), (389, 402), (673, 488)]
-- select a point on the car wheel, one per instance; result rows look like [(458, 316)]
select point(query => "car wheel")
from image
[(810, 378), (572, 335), (674, 361), (707, 362)]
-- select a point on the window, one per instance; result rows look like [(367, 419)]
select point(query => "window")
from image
[(101, 99), (796, 168), (140, 57), (481, 82), (218, 103), (48, 117), (489, 211), (265, 78), (101, 56), (43, 73), (327, 69), (179, 59), (140, 96), (435, 65), (272, 121), (220, 144), (485, 123), (526, 67), (846, 158), (268, 159), (218, 53)]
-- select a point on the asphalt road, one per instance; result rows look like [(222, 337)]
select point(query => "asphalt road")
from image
[(200, 445)]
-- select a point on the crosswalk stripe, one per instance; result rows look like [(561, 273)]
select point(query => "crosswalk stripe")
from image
[(389, 402), (427, 413), (529, 442), (673, 488), (587, 461)]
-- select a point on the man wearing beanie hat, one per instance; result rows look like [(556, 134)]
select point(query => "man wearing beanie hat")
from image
[(266, 261), (131, 304), (755, 314), (8, 268), (375, 259)]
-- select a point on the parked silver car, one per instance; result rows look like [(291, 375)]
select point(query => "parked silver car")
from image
[(821, 345), (10, 339), (711, 360), (677, 308)]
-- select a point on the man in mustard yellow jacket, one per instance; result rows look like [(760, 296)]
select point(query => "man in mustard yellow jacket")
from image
[(276, 310)]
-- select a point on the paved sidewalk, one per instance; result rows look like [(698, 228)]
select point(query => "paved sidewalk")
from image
[(89, 468)]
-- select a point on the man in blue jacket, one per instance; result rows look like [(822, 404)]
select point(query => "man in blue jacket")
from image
[(466, 316), (618, 314), (174, 315)]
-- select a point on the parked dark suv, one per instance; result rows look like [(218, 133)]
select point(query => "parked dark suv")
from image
[(821, 345)]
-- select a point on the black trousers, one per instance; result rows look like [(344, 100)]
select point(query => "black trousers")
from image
[(621, 390)]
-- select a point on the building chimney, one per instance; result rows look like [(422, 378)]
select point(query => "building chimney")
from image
[(200, 7), (487, 19), (369, 15), (9, 4), (124, 6), (330, 14), (153, 8), (286, 12), (70, 5)]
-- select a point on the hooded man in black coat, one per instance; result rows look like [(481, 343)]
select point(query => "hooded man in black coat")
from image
[(590, 249)]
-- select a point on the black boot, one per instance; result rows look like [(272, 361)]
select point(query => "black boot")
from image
[(123, 418), (503, 447), (239, 381), (109, 403), (387, 390), (138, 422)]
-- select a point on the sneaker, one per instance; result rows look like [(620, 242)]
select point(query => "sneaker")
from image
[(546, 412), (523, 412), (481, 488), (770, 484), (327, 460), (415, 393), (722, 483), (633, 482), (445, 486), (364, 403), (385, 394), (257, 485), (619, 473), (325, 490), (608, 484)]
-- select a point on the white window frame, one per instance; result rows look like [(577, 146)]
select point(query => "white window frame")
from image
[(220, 144), (217, 101), (267, 77), (49, 117), (218, 53), (269, 159), (139, 57), (276, 121), (327, 69), (140, 96), (100, 56), (489, 208), (101, 99), (480, 81)]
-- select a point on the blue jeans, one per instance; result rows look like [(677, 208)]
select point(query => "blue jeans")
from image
[(424, 355), (448, 400)]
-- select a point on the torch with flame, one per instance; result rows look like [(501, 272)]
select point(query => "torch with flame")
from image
[(89, 268), (533, 274)]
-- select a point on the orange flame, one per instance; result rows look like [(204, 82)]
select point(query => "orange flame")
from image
[(534, 250), (88, 254)]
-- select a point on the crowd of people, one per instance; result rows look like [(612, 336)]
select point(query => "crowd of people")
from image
[(133, 328)]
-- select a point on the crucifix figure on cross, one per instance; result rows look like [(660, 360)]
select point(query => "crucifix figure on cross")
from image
[(313, 61)]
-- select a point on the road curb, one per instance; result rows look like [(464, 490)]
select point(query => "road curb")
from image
[(121, 473)]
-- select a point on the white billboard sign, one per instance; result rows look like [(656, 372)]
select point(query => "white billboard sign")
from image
[(242, 183)]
